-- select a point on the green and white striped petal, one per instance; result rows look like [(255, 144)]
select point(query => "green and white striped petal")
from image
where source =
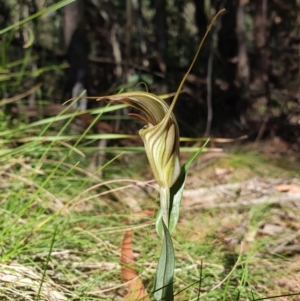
[(160, 134), (161, 140)]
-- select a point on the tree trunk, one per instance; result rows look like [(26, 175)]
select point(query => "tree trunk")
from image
[(128, 30), (298, 29), (200, 17), (227, 41), (76, 45), (229, 106), (160, 33), (260, 82), (243, 72)]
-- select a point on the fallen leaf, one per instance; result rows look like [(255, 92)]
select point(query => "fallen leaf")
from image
[(271, 229), (288, 187), (136, 289)]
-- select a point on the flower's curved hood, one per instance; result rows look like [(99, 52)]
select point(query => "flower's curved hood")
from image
[(160, 134)]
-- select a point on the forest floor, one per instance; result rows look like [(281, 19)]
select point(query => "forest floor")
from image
[(62, 226)]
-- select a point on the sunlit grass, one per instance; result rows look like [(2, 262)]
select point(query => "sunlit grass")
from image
[(62, 224), (49, 197)]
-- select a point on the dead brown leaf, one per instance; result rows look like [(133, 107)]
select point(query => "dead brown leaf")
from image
[(288, 187), (136, 289)]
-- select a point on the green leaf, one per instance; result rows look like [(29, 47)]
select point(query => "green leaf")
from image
[(165, 270), (176, 190)]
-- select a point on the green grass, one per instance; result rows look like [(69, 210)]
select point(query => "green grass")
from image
[(62, 225)]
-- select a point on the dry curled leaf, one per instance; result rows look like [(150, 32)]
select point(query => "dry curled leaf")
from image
[(136, 289)]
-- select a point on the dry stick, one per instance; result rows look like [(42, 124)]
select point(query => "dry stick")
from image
[(96, 59), (281, 199), (20, 96)]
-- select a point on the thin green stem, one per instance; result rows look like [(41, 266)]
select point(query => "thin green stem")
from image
[(194, 60), (165, 205)]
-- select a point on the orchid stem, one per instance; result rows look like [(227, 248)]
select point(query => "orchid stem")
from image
[(165, 205)]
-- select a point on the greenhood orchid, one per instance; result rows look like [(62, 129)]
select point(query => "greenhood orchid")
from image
[(161, 139)]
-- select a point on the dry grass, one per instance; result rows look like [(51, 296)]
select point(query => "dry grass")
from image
[(62, 226)]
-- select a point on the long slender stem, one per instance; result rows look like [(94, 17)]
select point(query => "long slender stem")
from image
[(165, 205), (193, 61)]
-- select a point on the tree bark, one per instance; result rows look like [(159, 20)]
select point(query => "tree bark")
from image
[(73, 18), (200, 17), (298, 29), (128, 30), (243, 72), (261, 60), (76, 45), (160, 32), (227, 41)]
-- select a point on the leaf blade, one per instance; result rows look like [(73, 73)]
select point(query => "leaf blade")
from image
[(176, 190), (165, 269)]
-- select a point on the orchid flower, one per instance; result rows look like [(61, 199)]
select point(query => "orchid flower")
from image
[(161, 140)]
